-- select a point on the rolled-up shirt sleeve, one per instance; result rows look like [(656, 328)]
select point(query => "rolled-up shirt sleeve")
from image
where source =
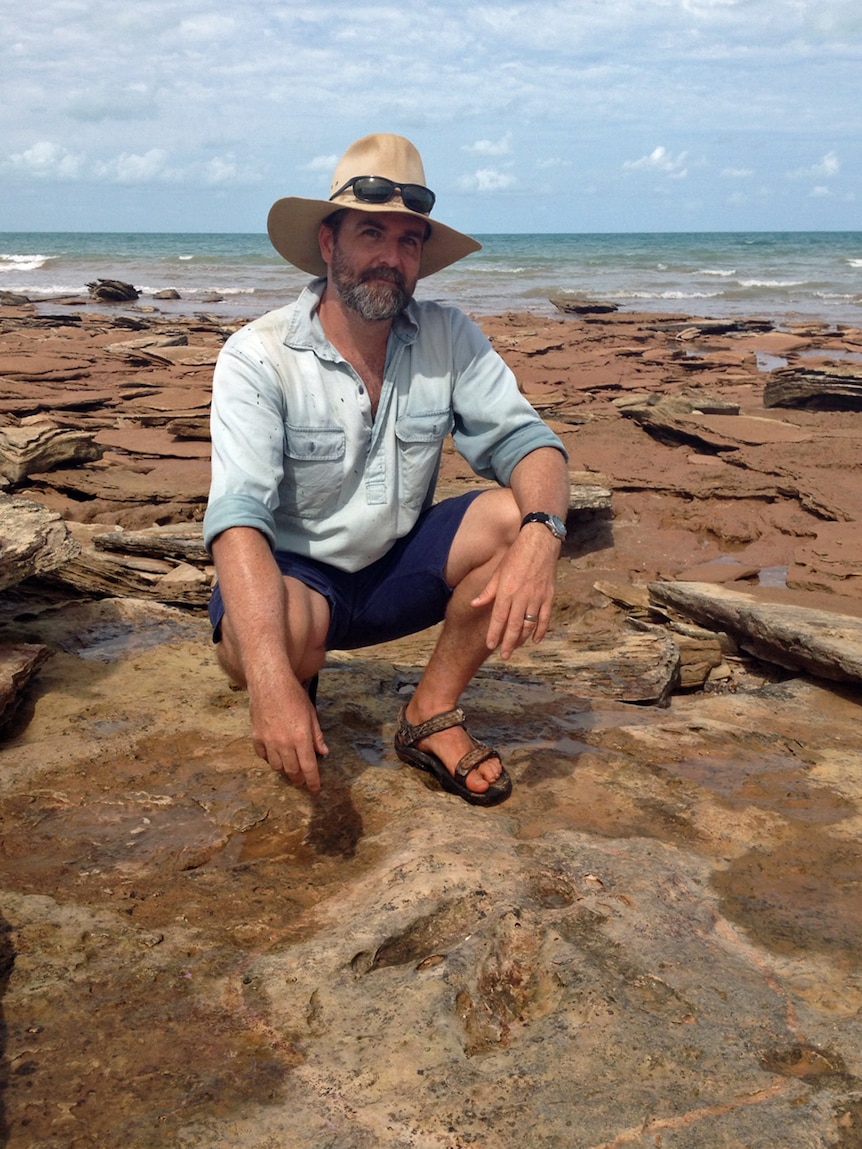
[(247, 423), (495, 426)]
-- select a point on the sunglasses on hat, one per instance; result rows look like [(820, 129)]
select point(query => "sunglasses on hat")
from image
[(379, 189)]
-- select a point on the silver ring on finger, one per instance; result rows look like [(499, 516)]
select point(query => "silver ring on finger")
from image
[(531, 618)]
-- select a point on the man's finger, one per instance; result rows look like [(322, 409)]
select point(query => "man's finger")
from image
[(309, 773), (515, 634)]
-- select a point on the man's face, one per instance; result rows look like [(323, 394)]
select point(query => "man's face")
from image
[(374, 261)]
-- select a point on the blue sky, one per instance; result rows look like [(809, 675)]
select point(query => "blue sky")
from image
[(570, 116)]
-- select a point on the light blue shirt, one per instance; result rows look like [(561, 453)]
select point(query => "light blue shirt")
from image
[(297, 455)]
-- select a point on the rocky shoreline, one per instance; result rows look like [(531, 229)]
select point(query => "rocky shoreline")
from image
[(654, 942)]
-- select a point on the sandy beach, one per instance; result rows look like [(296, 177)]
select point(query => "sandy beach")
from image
[(655, 942)]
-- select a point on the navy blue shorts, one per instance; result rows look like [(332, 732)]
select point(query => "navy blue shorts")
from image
[(402, 593)]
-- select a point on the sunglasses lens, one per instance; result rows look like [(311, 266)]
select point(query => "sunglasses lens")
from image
[(378, 189), (417, 198), (373, 189)]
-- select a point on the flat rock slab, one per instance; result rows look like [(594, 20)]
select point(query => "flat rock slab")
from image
[(832, 562), (753, 429), (719, 572), (18, 663), (144, 572), (163, 481), (44, 366), (153, 441), (818, 642), (33, 541), (43, 446), (640, 668), (675, 419), (825, 389), (31, 400), (172, 399)]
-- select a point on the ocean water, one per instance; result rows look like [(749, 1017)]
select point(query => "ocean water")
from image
[(782, 276)]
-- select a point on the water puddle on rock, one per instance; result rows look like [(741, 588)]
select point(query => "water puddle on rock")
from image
[(803, 894), (769, 362), (777, 784), (773, 577), (801, 889)]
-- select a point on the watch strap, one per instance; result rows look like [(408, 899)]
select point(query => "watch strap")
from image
[(554, 524)]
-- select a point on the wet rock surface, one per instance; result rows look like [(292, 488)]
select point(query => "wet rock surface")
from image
[(654, 942)]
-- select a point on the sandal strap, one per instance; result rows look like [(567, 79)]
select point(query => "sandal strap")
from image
[(473, 758), (409, 734)]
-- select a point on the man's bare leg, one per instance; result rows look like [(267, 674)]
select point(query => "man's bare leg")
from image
[(285, 730), (488, 529), (304, 638)]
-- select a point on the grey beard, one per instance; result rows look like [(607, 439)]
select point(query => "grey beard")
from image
[(376, 300), (375, 294)]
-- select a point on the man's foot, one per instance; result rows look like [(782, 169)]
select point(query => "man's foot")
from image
[(442, 746), (450, 745)]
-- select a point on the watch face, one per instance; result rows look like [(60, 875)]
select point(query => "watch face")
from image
[(557, 525)]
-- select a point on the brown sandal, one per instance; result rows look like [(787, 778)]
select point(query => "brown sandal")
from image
[(408, 735)]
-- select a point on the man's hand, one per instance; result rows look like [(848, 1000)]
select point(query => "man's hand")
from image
[(256, 638), (286, 733), (522, 590)]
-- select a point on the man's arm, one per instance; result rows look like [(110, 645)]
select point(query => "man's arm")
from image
[(525, 581), (260, 652)]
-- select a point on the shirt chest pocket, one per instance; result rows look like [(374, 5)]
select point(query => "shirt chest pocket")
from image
[(313, 470), (420, 439)]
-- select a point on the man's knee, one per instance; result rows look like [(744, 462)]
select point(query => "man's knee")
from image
[(227, 654), (487, 530), (498, 514)]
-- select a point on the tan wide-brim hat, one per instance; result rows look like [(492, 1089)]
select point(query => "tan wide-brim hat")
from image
[(293, 222)]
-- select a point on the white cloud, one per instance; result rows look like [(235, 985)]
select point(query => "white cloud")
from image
[(220, 170), (501, 147), (210, 26), (661, 160), (827, 167), (321, 164), (488, 180), (46, 160), (820, 192), (736, 173), (830, 165), (129, 168)]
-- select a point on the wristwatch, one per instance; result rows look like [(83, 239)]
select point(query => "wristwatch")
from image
[(553, 522)]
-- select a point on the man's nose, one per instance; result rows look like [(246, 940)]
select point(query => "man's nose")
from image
[(390, 252)]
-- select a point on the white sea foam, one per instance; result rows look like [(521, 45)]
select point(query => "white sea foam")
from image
[(772, 283), (855, 262), (722, 273), (667, 294), (10, 262), (203, 290), (49, 290)]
